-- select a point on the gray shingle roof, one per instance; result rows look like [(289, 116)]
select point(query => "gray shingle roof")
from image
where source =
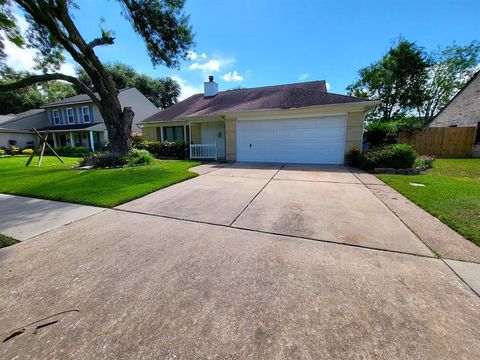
[(77, 99), (286, 96)]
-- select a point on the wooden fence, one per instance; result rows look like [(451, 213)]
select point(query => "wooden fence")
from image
[(441, 141)]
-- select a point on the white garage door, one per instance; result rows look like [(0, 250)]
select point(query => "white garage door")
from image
[(308, 141)]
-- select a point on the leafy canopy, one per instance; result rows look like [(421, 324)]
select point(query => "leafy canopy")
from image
[(163, 92)]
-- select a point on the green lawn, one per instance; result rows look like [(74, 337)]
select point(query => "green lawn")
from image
[(6, 241), (106, 187), (451, 193)]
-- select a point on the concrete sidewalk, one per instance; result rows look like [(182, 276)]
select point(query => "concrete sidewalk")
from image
[(120, 285), (23, 218)]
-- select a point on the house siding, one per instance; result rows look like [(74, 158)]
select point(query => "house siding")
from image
[(150, 133), (230, 139), (353, 138)]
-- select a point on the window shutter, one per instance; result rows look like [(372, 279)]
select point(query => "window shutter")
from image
[(74, 116), (90, 111)]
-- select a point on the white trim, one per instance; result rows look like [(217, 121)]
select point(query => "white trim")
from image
[(88, 114), (68, 116), (72, 144), (92, 145), (56, 111)]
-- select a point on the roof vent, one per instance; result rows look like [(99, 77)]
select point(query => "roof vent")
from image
[(210, 87)]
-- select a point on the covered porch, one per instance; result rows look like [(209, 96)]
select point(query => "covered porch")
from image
[(206, 137), (92, 137)]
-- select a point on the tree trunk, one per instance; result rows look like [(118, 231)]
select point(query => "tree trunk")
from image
[(119, 126)]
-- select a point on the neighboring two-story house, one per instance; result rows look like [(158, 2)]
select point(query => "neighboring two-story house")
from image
[(75, 121)]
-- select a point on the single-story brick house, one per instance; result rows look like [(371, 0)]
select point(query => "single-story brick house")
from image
[(295, 123), (463, 110)]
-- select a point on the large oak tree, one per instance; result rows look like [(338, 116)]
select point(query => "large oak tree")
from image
[(52, 31)]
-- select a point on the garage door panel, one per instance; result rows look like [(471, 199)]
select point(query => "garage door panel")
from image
[(318, 140)]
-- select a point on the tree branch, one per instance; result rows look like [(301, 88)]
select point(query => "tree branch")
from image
[(34, 79), (101, 41)]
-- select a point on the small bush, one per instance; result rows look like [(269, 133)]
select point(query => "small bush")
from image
[(376, 132), (353, 157), (138, 142), (27, 151), (398, 156), (14, 150), (167, 149), (103, 160), (424, 161), (138, 157), (2, 152), (69, 150)]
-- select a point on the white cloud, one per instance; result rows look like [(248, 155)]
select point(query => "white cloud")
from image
[(209, 66), (192, 55), (328, 86), (303, 76), (22, 59), (232, 76), (187, 89)]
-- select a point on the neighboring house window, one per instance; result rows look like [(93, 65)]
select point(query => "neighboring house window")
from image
[(56, 117), (85, 114), (173, 133), (71, 119), (477, 138)]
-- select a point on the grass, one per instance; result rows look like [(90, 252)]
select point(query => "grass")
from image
[(451, 193), (106, 187), (6, 241)]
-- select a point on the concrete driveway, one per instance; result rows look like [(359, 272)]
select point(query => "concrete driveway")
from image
[(157, 280), (309, 201)]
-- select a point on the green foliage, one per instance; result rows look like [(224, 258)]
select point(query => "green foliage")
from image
[(138, 142), (396, 80), (140, 157), (30, 97), (397, 156), (376, 131), (8, 28), (102, 187), (163, 26), (14, 150), (69, 150), (6, 241), (27, 151), (451, 193), (2, 152), (163, 92), (167, 149), (104, 160), (449, 71), (424, 161)]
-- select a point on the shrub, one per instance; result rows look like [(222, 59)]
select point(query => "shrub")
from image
[(425, 161), (353, 157), (138, 142), (398, 156), (2, 152), (103, 160), (27, 151), (167, 149), (69, 150), (376, 132), (14, 150), (138, 157)]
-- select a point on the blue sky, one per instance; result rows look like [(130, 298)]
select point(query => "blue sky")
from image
[(258, 42)]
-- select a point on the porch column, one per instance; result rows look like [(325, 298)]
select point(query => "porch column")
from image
[(105, 136), (190, 137), (161, 133), (92, 146), (54, 139), (71, 140)]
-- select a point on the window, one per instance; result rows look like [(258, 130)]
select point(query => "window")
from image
[(56, 117), (173, 133), (86, 114), (477, 138), (70, 117)]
